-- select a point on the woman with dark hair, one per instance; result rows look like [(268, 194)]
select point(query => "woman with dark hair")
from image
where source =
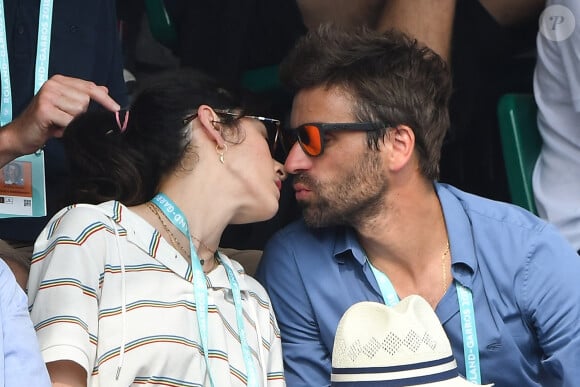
[(133, 290)]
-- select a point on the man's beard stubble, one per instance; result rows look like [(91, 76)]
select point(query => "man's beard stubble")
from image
[(350, 199)]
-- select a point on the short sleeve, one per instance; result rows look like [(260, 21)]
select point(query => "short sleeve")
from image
[(64, 285)]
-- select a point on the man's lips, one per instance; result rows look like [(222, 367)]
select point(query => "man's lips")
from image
[(301, 191), (300, 187)]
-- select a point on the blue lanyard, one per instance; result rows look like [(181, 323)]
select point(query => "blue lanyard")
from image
[(466, 311), (42, 57), (178, 219), (469, 332)]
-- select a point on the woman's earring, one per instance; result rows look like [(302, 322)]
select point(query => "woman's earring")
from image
[(221, 149)]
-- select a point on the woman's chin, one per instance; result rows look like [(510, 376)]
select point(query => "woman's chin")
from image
[(261, 214)]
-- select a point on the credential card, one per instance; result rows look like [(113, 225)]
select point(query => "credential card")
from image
[(22, 187)]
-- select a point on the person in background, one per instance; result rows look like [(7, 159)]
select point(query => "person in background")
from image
[(18, 261), (369, 115), (84, 71), (84, 54), (556, 178), (21, 363), (150, 299)]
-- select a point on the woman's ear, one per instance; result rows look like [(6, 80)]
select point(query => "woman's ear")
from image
[(209, 121)]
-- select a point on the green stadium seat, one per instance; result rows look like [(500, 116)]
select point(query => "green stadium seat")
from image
[(521, 144)]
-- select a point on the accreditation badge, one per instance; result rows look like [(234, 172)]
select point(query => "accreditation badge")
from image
[(22, 187)]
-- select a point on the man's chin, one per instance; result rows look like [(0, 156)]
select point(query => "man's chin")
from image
[(316, 218)]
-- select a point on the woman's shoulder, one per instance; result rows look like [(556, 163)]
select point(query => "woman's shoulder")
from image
[(81, 218), (247, 282)]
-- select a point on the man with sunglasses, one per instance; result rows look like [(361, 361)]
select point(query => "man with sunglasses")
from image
[(369, 116)]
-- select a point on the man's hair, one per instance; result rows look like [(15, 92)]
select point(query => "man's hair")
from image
[(392, 78)]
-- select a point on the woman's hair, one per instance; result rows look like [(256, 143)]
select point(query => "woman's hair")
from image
[(127, 165)]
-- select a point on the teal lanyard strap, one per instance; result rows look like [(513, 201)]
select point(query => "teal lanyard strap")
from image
[(42, 57), (390, 296), (469, 332), (178, 219), (247, 353), (43, 45), (466, 311)]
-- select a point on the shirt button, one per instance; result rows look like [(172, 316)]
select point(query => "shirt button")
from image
[(73, 28), (20, 30)]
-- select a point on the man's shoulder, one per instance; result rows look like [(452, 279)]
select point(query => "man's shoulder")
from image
[(495, 225), (299, 236), (483, 211), (300, 248), (300, 229)]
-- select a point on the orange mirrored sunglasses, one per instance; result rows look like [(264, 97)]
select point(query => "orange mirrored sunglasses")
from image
[(311, 135)]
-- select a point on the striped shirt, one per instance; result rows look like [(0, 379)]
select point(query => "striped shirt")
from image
[(89, 258)]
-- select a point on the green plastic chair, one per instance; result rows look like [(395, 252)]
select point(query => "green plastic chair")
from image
[(521, 144), (160, 23)]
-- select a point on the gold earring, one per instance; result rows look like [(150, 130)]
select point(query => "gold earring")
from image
[(221, 149)]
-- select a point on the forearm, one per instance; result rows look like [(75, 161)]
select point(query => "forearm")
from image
[(429, 21), (65, 373), (342, 12), (512, 12), (10, 146)]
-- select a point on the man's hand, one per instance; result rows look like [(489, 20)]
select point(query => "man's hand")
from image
[(57, 102)]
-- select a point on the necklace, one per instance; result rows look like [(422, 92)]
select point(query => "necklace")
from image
[(153, 208), (201, 244), (172, 236), (444, 269)]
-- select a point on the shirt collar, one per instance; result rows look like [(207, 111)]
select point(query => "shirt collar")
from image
[(139, 233), (461, 243), (347, 245), (218, 278)]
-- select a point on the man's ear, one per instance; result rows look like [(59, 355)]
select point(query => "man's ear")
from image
[(209, 121), (401, 141)]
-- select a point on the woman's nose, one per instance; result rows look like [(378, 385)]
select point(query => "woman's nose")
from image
[(280, 171)]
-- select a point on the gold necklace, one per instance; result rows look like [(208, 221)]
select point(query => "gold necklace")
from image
[(172, 236), (444, 268), (201, 244), (174, 239)]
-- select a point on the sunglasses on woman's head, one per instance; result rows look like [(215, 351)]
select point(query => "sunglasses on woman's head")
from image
[(311, 135), (272, 125)]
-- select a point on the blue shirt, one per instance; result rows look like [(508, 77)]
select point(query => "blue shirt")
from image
[(21, 364), (84, 44), (525, 280)]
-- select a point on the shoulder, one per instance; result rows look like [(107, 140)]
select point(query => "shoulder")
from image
[(79, 225), (486, 211), (257, 290), (75, 218), (299, 239), (247, 282), (501, 229), (298, 251)]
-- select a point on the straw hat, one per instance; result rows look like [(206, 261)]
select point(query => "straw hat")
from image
[(400, 346)]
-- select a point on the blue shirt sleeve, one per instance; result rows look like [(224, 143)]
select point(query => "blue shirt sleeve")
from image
[(550, 299), (22, 363), (307, 362)]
